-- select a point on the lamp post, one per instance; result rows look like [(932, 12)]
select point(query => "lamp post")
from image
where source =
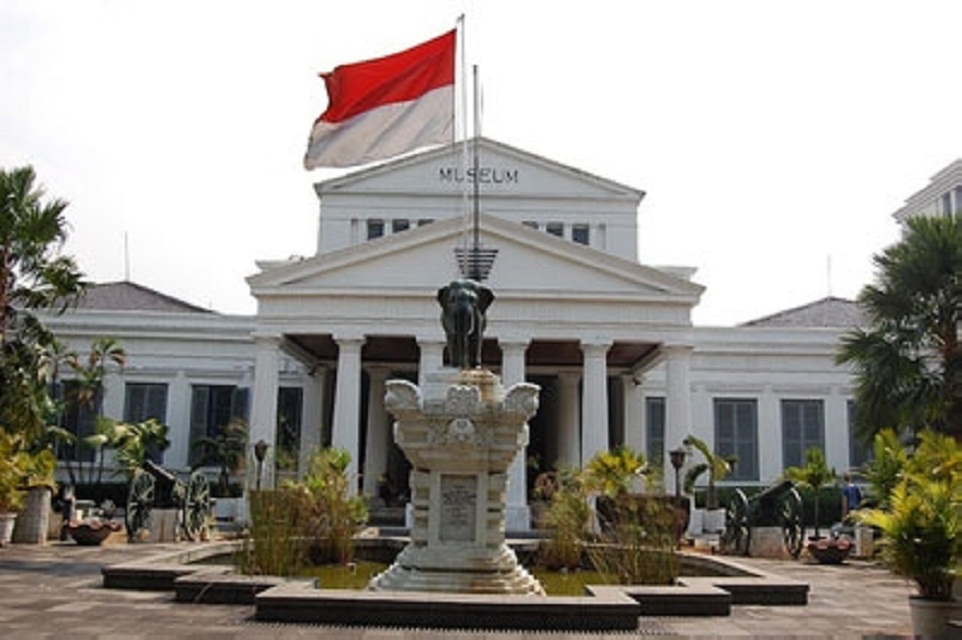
[(260, 452), (677, 460), (677, 457)]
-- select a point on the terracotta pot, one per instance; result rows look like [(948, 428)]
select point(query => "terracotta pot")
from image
[(827, 551), (91, 533)]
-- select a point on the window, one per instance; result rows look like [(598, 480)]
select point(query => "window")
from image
[(945, 204), (375, 229), (400, 224), (555, 229), (424, 221), (859, 453), (531, 224), (736, 434), (581, 234), (145, 401), (655, 431), (289, 403), (803, 427), (78, 419), (211, 409)]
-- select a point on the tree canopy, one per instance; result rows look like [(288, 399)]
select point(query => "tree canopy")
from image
[(34, 275), (907, 361)]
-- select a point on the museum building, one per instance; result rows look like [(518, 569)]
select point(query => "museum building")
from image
[(609, 340)]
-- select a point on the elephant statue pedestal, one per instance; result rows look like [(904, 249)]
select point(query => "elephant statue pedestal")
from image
[(460, 432)]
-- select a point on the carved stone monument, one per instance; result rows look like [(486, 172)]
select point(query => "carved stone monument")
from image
[(460, 432)]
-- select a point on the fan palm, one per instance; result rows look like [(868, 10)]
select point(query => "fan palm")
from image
[(908, 361)]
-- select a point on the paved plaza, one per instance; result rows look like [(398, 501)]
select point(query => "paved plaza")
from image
[(55, 591)]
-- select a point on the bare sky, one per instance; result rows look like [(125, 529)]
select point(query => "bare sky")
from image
[(774, 138)]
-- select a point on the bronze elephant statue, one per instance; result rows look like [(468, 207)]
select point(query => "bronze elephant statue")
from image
[(463, 305)]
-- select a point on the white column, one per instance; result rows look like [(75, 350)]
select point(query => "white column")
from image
[(594, 403), (431, 358), (677, 404), (378, 435), (178, 413), (517, 514), (347, 399), (634, 412), (264, 405), (569, 414), (312, 426)]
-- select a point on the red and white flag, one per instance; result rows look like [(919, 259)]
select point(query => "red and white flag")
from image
[(385, 107)]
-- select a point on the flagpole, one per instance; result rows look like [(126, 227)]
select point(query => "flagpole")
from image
[(476, 250), (462, 43)]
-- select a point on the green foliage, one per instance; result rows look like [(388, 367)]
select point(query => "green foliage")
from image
[(130, 442), (566, 518), (637, 543), (276, 543), (34, 276), (226, 450), (922, 517), (638, 533), (908, 363), (614, 472), (888, 462), (814, 475), (21, 469), (314, 520), (333, 516), (717, 467)]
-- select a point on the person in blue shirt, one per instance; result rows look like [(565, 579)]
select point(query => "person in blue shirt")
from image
[(851, 496)]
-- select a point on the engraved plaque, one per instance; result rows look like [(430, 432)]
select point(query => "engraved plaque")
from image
[(459, 497)]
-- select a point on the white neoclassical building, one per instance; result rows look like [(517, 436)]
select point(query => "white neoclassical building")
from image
[(609, 340)]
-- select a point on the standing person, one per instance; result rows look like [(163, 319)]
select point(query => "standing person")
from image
[(851, 496)]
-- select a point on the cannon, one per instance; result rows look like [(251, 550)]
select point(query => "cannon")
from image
[(778, 505), (154, 487)]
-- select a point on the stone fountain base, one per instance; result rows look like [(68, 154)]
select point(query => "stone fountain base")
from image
[(461, 432)]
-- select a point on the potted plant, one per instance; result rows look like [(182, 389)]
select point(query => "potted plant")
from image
[(717, 467), (11, 483), (921, 522), (815, 475)]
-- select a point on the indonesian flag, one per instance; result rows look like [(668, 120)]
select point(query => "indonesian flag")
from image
[(385, 107)]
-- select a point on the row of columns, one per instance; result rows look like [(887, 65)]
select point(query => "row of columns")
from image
[(582, 421)]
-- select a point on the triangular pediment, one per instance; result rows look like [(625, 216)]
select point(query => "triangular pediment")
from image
[(501, 170), (528, 263)]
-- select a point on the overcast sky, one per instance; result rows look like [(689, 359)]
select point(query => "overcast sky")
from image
[(774, 138)]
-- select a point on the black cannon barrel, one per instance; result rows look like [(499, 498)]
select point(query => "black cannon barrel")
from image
[(159, 472), (764, 506)]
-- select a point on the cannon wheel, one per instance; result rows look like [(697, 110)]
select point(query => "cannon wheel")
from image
[(196, 506), (735, 538), (792, 523), (140, 500)]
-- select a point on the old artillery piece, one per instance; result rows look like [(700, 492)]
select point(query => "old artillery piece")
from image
[(154, 487), (778, 505)]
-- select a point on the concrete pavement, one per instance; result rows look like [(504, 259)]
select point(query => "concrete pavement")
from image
[(55, 591)]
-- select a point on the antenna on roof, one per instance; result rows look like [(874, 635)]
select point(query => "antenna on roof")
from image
[(126, 259)]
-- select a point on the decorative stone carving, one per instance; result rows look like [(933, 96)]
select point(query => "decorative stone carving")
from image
[(461, 431)]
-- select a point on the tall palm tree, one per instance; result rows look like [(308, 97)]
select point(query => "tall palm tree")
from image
[(34, 275), (908, 361)]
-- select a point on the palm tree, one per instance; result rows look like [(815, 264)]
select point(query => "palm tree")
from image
[(227, 449), (815, 474), (34, 275), (908, 361), (715, 465), (89, 391)]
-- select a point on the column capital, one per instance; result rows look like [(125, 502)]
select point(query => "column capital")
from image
[(267, 337), (513, 344), (595, 346), (350, 340)]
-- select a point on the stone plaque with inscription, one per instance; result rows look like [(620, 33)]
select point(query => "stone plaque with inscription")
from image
[(459, 499)]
